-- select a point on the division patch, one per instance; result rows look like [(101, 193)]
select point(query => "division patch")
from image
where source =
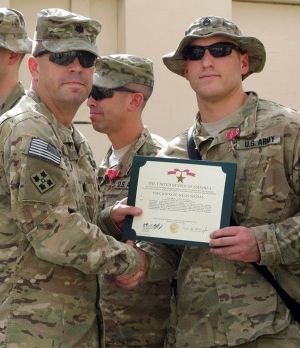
[(42, 181)]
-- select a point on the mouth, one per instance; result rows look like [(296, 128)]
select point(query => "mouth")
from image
[(209, 76), (94, 116), (74, 83)]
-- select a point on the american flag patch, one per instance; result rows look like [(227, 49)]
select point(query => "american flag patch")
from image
[(44, 150)]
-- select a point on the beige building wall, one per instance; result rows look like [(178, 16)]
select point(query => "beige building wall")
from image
[(152, 28)]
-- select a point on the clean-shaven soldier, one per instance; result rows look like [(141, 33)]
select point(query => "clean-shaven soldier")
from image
[(122, 86)]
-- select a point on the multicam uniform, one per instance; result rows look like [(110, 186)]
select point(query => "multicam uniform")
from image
[(223, 302), (12, 99), (132, 318), (50, 250)]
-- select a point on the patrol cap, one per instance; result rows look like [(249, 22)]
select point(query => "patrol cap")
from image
[(119, 69), (13, 34), (217, 26), (62, 31)]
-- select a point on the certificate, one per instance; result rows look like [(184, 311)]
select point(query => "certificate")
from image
[(183, 201)]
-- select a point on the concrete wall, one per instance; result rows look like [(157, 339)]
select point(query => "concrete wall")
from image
[(152, 28)]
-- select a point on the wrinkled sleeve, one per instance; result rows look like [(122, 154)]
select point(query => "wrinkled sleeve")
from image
[(279, 242), (44, 209), (163, 258), (107, 225)]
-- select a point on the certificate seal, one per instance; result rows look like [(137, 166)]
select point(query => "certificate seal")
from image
[(174, 228)]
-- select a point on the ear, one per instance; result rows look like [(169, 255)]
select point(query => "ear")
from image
[(33, 67), (14, 58), (244, 64), (186, 70), (136, 101)]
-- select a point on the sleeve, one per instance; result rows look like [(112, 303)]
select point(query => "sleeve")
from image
[(279, 241), (163, 259), (47, 210), (107, 225)]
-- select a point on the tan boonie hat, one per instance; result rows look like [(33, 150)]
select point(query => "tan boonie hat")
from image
[(62, 31), (13, 34), (217, 26), (119, 69)]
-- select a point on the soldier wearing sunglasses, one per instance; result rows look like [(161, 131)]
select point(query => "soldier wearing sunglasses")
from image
[(51, 248), (222, 300), (122, 85)]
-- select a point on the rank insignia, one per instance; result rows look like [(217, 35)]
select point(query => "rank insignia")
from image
[(42, 181)]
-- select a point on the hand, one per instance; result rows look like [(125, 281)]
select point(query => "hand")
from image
[(235, 243), (134, 279), (120, 210)]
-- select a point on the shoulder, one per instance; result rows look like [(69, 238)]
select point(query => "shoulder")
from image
[(23, 122), (158, 140), (272, 109), (177, 147)]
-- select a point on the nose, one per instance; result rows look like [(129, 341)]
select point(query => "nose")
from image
[(91, 101), (207, 59), (75, 65)]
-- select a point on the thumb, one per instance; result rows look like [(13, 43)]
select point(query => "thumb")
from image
[(131, 243)]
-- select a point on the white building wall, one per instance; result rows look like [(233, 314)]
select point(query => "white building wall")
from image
[(152, 28)]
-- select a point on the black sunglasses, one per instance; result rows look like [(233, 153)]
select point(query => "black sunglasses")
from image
[(86, 59), (99, 93), (217, 50)]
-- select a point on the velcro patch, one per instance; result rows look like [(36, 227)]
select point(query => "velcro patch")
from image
[(42, 181), (44, 150), (270, 140)]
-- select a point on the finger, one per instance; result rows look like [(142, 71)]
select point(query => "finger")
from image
[(123, 201), (222, 242), (130, 283), (132, 243), (134, 211), (224, 232)]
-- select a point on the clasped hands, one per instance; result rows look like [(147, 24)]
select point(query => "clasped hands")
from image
[(129, 281), (232, 243)]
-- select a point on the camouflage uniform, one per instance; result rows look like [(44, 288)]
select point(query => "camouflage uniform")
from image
[(12, 99), (136, 318), (51, 252), (228, 303), (13, 37), (222, 302)]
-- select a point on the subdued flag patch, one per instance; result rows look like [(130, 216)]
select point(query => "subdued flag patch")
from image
[(44, 150)]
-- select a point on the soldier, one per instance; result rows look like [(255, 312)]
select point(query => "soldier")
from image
[(222, 299), (122, 85), (14, 44), (51, 250)]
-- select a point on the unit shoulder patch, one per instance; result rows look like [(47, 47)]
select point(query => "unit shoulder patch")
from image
[(42, 181)]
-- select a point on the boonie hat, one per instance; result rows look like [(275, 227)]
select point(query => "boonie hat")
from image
[(119, 69), (62, 31), (217, 26), (13, 34)]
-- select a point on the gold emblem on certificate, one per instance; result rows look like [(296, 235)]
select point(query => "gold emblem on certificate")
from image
[(174, 228)]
